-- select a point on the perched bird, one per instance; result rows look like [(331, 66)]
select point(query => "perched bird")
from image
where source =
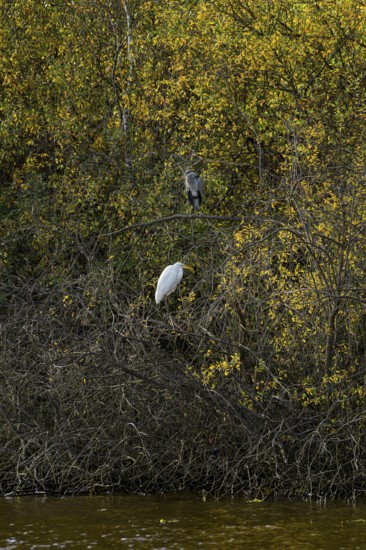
[(169, 280), (194, 188)]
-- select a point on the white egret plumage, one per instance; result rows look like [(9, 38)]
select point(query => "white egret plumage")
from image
[(169, 280)]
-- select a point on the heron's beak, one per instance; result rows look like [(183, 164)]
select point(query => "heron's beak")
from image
[(188, 267)]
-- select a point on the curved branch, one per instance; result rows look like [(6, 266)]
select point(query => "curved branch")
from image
[(170, 218)]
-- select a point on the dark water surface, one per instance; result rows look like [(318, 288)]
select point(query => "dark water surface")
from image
[(178, 521)]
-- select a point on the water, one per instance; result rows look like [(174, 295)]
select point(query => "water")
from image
[(176, 521)]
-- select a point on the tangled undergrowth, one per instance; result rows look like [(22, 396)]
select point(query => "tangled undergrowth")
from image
[(87, 407)]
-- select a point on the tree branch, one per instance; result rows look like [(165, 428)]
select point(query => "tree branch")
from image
[(170, 218)]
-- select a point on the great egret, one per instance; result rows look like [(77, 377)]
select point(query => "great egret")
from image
[(169, 280), (194, 188)]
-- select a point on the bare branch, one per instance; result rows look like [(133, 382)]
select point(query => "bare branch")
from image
[(170, 218)]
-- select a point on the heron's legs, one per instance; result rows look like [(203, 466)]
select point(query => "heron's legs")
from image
[(168, 311)]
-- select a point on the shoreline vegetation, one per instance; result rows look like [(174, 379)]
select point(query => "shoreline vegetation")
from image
[(251, 379)]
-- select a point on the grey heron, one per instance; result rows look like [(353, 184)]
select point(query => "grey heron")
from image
[(194, 188)]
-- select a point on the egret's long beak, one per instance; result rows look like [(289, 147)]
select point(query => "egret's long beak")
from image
[(188, 267)]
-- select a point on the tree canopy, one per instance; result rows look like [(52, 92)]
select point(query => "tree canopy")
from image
[(103, 105)]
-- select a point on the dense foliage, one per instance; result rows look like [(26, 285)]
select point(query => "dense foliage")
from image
[(253, 379)]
